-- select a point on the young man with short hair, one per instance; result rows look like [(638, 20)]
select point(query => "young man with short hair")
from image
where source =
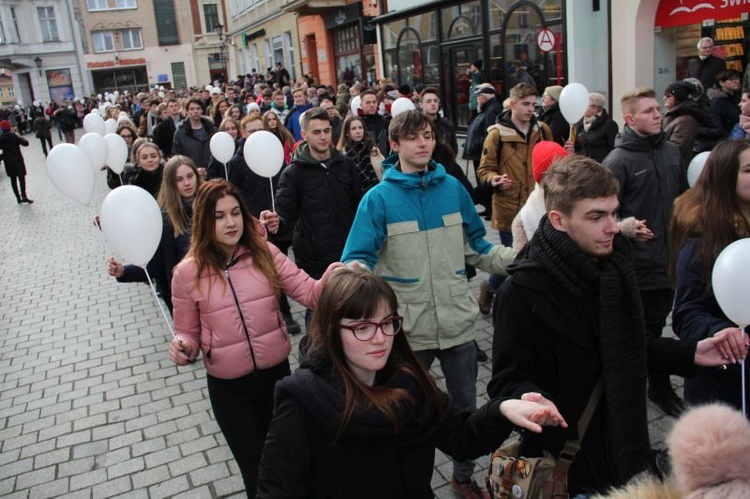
[(416, 229), (430, 105), (570, 317), (165, 129), (375, 124), (506, 165), (193, 136), (326, 102), (292, 122)]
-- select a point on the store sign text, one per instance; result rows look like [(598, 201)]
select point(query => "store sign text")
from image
[(111, 64)]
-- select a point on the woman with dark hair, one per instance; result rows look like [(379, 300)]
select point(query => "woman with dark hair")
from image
[(356, 143), (217, 111), (273, 124), (361, 417), (725, 98), (226, 303), (706, 219)]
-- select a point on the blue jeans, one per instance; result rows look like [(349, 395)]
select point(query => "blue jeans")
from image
[(459, 366), (496, 280)]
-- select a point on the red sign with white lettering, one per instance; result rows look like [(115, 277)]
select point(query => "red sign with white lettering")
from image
[(684, 12)]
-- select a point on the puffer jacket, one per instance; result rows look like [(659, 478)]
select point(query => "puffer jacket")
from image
[(236, 321), (185, 142), (652, 174), (507, 151), (318, 200), (417, 231)]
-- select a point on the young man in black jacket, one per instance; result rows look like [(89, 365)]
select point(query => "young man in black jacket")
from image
[(570, 315)]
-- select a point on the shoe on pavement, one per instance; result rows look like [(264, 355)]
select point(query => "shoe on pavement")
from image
[(468, 490), (291, 325), (485, 298), (481, 356), (666, 399)]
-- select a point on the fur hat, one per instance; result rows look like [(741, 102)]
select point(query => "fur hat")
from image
[(485, 88), (710, 450), (554, 91), (5, 126), (542, 156)]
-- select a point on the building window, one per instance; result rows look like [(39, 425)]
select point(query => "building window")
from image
[(269, 55), (103, 41), (11, 93), (131, 39), (127, 4), (97, 5), (211, 17), (48, 24), (3, 40), (178, 75), (347, 56), (14, 18), (166, 28), (290, 48), (1, 92)]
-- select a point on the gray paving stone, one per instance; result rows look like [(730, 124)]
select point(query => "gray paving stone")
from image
[(37, 448), (125, 468), (169, 488), (187, 464), (167, 455), (111, 488), (50, 489), (151, 476), (76, 467), (36, 477)]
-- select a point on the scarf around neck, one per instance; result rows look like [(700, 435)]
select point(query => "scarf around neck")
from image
[(622, 333)]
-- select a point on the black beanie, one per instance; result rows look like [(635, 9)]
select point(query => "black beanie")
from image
[(478, 63), (680, 89)]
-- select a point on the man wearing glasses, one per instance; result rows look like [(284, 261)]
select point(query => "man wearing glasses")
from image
[(416, 230)]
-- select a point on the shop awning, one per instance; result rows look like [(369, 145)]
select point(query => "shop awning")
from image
[(673, 13)]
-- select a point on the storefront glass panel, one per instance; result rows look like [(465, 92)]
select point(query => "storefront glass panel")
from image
[(460, 21)]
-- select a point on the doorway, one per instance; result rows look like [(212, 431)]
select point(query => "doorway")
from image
[(458, 81)]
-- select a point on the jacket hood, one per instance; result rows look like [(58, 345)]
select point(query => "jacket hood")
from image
[(719, 93), (392, 173), (302, 155), (504, 119), (688, 107), (630, 141)]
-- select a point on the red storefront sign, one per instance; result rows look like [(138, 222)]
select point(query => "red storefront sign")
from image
[(673, 13)]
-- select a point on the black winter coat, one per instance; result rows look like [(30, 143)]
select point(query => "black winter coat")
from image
[(599, 140), (556, 122), (652, 174), (547, 340), (10, 149), (726, 106), (303, 459), (710, 129), (163, 136), (705, 70), (696, 316), (377, 129), (318, 200), (185, 142), (477, 130)]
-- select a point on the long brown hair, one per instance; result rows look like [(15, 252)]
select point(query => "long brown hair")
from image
[(284, 135), (357, 294), (710, 210), (345, 141), (170, 200), (203, 247)]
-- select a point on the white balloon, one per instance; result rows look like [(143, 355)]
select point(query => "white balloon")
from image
[(95, 148), (401, 105), (132, 223), (82, 101), (93, 123), (110, 126), (574, 99), (116, 93), (96, 111), (222, 146), (99, 96), (161, 95), (264, 153), (355, 104), (117, 152), (70, 171), (209, 87), (729, 280), (696, 167)]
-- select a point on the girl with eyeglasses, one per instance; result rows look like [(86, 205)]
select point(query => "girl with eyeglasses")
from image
[(361, 417), (226, 304)]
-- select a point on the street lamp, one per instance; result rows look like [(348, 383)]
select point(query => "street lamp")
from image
[(222, 48), (38, 62)]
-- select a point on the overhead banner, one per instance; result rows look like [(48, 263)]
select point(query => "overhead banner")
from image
[(673, 13)]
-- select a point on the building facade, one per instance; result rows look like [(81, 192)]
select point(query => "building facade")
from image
[(134, 45), (40, 44), (7, 90), (212, 45)]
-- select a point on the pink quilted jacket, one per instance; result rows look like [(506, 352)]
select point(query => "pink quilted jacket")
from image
[(211, 319)]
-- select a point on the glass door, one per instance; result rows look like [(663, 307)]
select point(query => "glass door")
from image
[(458, 82)]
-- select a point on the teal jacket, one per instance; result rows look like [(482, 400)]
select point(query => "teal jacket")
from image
[(417, 231)]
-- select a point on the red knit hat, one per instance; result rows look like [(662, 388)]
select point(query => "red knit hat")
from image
[(542, 156), (5, 126)]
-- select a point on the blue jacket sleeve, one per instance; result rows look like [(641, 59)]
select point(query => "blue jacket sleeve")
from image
[(696, 314), (368, 231)]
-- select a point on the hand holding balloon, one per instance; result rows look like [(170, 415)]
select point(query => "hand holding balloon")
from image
[(270, 221)]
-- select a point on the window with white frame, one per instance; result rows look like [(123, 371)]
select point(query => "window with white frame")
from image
[(97, 5), (289, 63), (211, 17), (127, 4), (48, 24), (14, 19), (254, 60), (103, 41), (2, 94), (131, 39), (269, 57), (11, 93)]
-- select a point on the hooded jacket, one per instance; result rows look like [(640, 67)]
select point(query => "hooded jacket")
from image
[(726, 106), (556, 122), (291, 120), (681, 126), (417, 231), (600, 138), (651, 173), (508, 151), (185, 142), (318, 200), (303, 458)]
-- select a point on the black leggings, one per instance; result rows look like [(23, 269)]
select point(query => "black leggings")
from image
[(243, 408), (20, 189)]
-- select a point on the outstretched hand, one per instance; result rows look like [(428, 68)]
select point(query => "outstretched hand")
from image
[(728, 346), (532, 412)]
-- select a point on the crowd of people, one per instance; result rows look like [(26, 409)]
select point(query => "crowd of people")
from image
[(600, 239)]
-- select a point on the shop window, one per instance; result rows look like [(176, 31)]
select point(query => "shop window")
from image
[(390, 33), (346, 53), (178, 75), (410, 68), (48, 24), (462, 20), (103, 41), (131, 39), (431, 65), (211, 17), (498, 10)]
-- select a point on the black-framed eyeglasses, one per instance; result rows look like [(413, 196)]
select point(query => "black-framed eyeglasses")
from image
[(365, 330)]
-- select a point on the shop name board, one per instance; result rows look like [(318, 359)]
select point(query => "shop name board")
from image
[(685, 12), (111, 64)]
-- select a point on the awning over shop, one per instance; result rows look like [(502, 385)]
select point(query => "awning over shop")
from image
[(673, 13)]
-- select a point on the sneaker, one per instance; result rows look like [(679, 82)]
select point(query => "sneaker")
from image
[(481, 356), (291, 326), (468, 490), (485, 298)]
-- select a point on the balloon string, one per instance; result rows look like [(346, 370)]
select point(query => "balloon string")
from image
[(121, 181), (273, 201), (226, 173), (158, 302), (744, 396)]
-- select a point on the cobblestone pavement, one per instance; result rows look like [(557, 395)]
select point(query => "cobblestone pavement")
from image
[(90, 405)]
